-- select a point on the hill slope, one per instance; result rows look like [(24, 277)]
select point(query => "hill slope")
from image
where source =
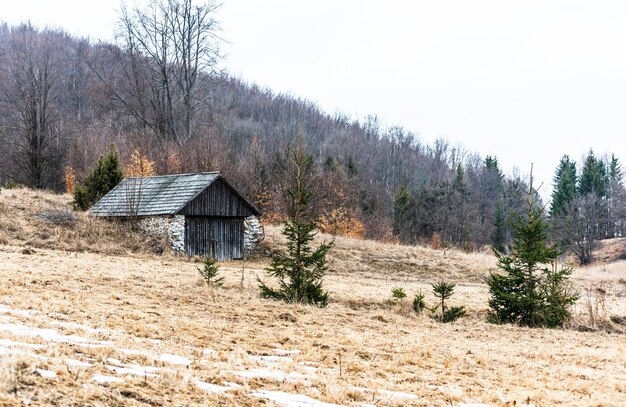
[(115, 327)]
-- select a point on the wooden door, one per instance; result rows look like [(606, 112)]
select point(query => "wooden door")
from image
[(218, 237)]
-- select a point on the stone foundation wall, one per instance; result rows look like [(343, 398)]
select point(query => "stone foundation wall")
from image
[(253, 234), (171, 228)]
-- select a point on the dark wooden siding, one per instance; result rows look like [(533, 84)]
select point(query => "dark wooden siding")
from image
[(219, 237), (217, 200)]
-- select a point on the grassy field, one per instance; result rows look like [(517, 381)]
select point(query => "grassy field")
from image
[(90, 316)]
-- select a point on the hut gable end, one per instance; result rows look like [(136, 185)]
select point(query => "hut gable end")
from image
[(219, 199)]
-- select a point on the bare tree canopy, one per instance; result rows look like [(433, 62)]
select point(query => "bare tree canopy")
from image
[(168, 53)]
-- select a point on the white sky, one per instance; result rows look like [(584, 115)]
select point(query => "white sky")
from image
[(526, 81)]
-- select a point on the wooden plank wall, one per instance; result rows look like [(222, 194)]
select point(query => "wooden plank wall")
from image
[(217, 200), (219, 237)]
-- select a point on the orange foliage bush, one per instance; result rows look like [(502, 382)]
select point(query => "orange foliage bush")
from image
[(341, 221), (435, 241), (70, 180), (139, 166)]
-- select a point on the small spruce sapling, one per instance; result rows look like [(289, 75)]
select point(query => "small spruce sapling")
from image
[(444, 291), (210, 274), (301, 268), (528, 291), (419, 302), (398, 294)]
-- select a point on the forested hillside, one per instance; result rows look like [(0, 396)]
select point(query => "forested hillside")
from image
[(65, 100)]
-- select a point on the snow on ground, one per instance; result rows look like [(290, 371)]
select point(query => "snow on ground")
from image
[(285, 352), (106, 379), (291, 400), (258, 366), (386, 392), (52, 335), (175, 359), (271, 359), (278, 375), (46, 374), (214, 388)]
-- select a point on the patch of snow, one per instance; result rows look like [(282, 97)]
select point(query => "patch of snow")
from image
[(214, 388), (209, 352), (271, 359), (311, 370), (145, 368), (76, 362), (51, 335), (155, 341), (175, 359), (450, 390), (8, 351), (136, 371), (73, 325), (386, 392), (106, 379), (47, 374), (271, 374), (8, 342), (291, 400), (132, 351), (285, 352), (21, 312)]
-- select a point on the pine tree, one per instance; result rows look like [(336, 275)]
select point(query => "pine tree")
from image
[(564, 190), (593, 177), (300, 271), (499, 237), (616, 199), (103, 177), (530, 292), (402, 215), (210, 274)]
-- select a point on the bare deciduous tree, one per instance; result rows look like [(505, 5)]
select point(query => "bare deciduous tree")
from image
[(34, 84), (166, 54)]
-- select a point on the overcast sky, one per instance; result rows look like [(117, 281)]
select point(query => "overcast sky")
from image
[(526, 81)]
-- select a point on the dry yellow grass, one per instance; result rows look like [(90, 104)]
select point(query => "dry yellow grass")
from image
[(354, 352)]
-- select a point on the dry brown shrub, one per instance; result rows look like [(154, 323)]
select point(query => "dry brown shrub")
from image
[(139, 165), (435, 241), (343, 222), (70, 180)]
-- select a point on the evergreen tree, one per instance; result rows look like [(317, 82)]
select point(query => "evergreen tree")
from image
[(616, 199), (564, 190), (458, 212), (402, 215), (210, 274), (593, 177), (499, 238), (491, 208), (300, 271), (530, 292), (615, 170), (103, 177)]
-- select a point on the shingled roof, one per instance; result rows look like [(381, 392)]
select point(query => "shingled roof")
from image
[(150, 196)]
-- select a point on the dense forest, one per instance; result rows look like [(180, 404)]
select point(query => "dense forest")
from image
[(158, 90)]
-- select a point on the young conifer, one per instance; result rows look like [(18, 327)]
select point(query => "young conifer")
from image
[(103, 177), (532, 291), (300, 271)]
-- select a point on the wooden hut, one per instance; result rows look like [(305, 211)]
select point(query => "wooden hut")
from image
[(200, 214)]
